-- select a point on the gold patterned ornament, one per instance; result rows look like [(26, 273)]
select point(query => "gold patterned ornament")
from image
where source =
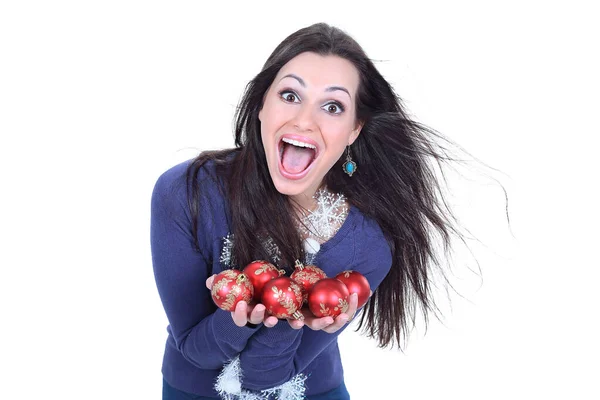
[(324, 310), (328, 298), (282, 297), (229, 288), (342, 305), (306, 276), (260, 272)]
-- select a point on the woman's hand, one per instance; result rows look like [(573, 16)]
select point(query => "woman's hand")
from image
[(244, 313), (327, 324)]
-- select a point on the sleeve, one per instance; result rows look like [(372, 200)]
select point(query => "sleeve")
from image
[(275, 355), (205, 335)]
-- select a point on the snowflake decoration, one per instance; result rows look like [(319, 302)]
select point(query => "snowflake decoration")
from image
[(327, 218), (310, 258), (227, 258), (272, 250)]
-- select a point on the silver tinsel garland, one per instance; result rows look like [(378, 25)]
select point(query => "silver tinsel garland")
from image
[(229, 386)]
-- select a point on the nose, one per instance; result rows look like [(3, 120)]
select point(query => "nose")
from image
[(304, 120)]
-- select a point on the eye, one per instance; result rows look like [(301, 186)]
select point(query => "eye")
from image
[(289, 96), (333, 108)]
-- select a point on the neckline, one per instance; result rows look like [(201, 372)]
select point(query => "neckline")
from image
[(341, 233)]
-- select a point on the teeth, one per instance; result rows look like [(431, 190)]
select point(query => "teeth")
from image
[(298, 143)]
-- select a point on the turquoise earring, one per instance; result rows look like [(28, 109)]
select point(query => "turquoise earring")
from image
[(349, 166)]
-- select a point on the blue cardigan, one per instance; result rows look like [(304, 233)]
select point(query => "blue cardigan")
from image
[(201, 337)]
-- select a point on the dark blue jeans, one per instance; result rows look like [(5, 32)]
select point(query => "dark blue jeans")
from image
[(170, 393)]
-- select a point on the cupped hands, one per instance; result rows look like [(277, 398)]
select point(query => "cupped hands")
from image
[(256, 313)]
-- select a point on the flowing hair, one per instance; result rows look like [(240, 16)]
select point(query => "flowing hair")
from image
[(395, 185)]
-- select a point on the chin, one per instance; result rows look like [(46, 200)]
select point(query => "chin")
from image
[(289, 188)]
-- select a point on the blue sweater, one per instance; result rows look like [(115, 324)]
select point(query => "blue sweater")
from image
[(201, 337)]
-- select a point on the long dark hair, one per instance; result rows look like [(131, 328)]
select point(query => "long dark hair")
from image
[(394, 185)]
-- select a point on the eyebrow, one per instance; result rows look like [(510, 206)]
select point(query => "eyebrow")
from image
[(329, 89)]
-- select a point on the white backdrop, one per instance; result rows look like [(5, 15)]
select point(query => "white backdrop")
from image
[(98, 98)]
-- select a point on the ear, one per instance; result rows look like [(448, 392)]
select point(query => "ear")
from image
[(354, 134)]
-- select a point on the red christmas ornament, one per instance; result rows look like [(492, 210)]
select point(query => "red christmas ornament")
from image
[(306, 276), (282, 297), (260, 272), (229, 288), (356, 283), (328, 298)]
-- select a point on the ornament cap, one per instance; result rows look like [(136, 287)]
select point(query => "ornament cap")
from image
[(298, 315)]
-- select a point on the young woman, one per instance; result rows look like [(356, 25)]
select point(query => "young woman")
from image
[(327, 169)]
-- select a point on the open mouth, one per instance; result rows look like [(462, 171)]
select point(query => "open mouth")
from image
[(296, 156)]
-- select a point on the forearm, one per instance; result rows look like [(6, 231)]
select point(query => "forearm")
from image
[(206, 336), (215, 341), (268, 359)]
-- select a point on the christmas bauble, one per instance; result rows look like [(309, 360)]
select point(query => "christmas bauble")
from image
[(328, 298), (356, 283), (306, 276), (282, 297), (260, 272), (229, 288)]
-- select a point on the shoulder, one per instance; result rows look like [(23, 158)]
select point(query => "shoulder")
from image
[(371, 239), (176, 177), (175, 182), (175, 206), (367, 226), (172, 195)]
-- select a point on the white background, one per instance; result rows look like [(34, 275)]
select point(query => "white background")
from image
[(98, 98)]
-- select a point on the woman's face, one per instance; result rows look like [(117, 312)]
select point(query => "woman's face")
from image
[(307, 120)]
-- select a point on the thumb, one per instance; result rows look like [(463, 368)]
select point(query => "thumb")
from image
[(209, 282)]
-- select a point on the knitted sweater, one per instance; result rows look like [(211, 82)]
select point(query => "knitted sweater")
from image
[(201, 337)]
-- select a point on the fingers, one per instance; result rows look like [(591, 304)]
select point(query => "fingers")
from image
[(316, 324), (296, 323), (255, 314), (209, 282), (353, 306), (258, 314), (339, 323), (270, 321), (313, 322), (240, 315)]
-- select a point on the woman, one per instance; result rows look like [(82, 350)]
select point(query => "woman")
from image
[(319, 134)]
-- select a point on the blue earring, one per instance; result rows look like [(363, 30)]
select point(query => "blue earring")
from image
[(349, 166)]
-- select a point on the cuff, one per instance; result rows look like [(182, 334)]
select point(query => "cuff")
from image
[(282, 332), (225, 328)]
